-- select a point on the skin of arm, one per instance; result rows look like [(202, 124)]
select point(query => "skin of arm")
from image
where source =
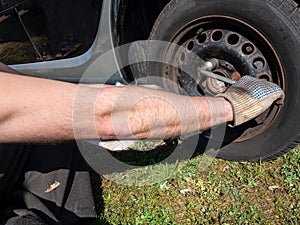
[(40, 110)]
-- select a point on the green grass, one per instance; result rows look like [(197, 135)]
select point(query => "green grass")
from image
[(224, 193)]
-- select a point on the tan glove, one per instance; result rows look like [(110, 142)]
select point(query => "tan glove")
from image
[(250, 97)]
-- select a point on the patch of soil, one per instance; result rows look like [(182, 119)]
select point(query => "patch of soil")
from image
[(20, 52)]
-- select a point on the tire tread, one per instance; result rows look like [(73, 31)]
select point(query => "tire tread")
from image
[(290, 8), (284, 150)]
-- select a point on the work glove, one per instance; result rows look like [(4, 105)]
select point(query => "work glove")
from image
[(250, 97)]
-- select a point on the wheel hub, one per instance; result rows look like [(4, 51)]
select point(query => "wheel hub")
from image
[(215, 86), (240, 50)]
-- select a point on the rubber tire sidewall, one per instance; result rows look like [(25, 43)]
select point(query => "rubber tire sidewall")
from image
[(284, 36)]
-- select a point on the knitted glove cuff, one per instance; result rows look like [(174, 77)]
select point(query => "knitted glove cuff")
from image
[(250, 97)]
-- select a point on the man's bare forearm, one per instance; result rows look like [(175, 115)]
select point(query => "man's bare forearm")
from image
[(39, 110), (139, 113), (35, 110)]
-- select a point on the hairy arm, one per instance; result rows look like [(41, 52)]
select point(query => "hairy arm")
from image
[(140, 113), (35, 110), (40, 110)]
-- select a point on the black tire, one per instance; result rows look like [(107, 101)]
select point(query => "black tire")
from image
[(277, 23)]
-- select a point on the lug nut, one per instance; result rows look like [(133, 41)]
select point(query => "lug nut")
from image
[(235, 76), (249, 49)]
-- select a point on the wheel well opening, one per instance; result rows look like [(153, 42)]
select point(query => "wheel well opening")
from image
[(138, 19)]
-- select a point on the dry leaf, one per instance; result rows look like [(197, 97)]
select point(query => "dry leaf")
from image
[(274, 187), (226, 168), (53, 187), (184, 191)]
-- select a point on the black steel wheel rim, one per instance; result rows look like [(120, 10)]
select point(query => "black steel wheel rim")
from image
[(241, 50)]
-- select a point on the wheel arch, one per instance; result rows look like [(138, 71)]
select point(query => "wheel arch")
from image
[(132, 20)]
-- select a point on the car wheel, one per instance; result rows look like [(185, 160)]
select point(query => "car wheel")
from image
[(248, 37)]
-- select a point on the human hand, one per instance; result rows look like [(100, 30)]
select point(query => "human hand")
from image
[(250, 97)]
